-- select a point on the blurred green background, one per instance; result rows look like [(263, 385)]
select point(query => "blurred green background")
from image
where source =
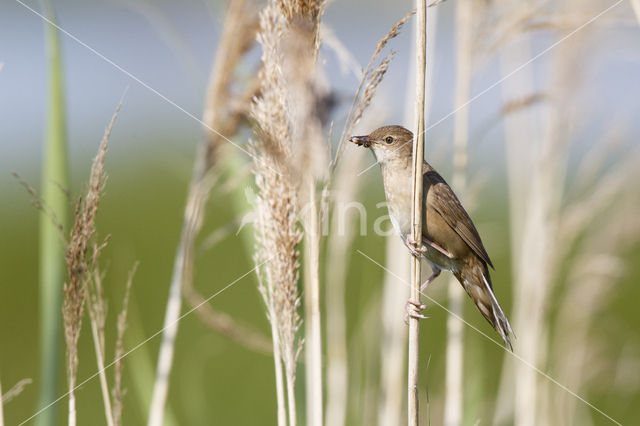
[(215, 381)]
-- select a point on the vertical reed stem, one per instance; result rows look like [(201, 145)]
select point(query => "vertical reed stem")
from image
[(277, 359), (55, 181), (454, 395), (313, 353), (416, 209)]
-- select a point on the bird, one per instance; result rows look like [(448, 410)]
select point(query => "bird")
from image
[(450, 240)]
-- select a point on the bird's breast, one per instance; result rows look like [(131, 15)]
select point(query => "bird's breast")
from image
[(397, 188)]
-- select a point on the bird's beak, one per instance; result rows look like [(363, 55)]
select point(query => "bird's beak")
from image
[(361, 141)]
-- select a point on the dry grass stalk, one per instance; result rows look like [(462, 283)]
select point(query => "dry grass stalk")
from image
[(225, 324), (117, 391), (80, 264), (97, 308), (222, 116), (40, 204), (416, 210)]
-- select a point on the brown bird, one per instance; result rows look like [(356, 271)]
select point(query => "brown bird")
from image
[(450, 241)]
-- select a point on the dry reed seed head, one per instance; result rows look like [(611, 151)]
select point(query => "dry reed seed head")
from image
[(224, 110), (310, 151), (76, 255), (307, 9), (374, 81), (39, 203), (393, 33), (288, 35)]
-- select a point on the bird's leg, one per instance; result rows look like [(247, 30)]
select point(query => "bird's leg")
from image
[(434, 275), (419, 250), (415, 249), (413, 310), (437, 247)]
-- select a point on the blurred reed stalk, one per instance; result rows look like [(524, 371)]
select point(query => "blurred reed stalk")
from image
[(222, 117), (454, 390), (141, 369), (53, 223), (97, 315), (416, 211), (117, 391), (521, 135), (538, 261), (600, 226), (597, 224), (393, 338), (537, 182), (365, 365), (339, 244)]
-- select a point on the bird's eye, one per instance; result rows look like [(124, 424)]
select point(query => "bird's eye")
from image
[(388, 139)]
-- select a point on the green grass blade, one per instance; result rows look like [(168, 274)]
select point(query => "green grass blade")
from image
[(55, 181)]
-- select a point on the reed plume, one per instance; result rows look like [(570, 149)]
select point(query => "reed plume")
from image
[(288, 164), (82, 256)]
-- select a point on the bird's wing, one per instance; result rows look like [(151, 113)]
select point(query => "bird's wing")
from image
[(444, 201)]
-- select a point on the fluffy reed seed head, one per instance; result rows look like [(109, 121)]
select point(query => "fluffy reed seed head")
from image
[(79, 264)]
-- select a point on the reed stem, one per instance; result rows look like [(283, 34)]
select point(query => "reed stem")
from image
[(55, 180), (416, 209)]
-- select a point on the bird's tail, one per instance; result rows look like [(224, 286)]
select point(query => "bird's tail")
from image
[(477, 283)]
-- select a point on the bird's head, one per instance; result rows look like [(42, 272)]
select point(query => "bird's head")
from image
[(387, 142)]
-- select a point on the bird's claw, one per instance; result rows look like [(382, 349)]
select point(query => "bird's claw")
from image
[(413, 310), (417, 250)]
